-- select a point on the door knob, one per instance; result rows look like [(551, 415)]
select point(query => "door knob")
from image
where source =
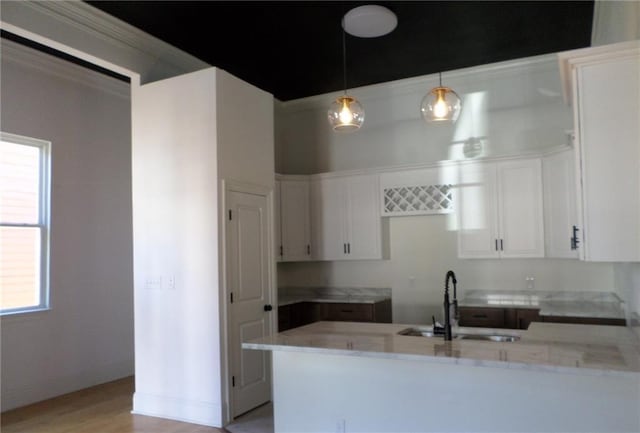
[(268, 307)]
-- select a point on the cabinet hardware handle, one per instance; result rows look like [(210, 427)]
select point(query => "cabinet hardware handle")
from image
[(346, 311), (501, 244), (348, 248), (308, 249), (268, 307), (496, 245), (479, 316), (574, 238), (281, 250), (344, 248)]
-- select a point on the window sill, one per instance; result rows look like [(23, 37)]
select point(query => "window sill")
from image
[(11, 317)]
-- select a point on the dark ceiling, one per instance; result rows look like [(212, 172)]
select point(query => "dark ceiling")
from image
[(294, 49)]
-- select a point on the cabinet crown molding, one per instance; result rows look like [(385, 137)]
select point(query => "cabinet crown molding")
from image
[(568, 59)]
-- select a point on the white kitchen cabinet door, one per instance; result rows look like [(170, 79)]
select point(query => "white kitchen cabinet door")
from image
[(295, 220), (520, 208), (500, 211), (476, 198), (328, 219), (346, 222), (560, 215), (363, 222), (277, 225), (607, 95)]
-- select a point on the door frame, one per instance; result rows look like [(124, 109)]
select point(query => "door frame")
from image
[(227, 186)]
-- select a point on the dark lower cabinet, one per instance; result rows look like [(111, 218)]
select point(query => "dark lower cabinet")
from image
[(482, 317), (298, 314), (303, 313), (521, 318), (585, 320), (349, 312)]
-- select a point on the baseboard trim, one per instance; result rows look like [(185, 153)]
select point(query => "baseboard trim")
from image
[(177, 409)]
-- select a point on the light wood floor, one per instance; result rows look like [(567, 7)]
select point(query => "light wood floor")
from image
[(101, 409)]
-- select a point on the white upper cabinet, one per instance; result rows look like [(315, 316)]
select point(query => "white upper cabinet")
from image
[(560, 216), (277, 226), (477, 209), (500, 211), (295, 222), (345, 221), (605, 94)]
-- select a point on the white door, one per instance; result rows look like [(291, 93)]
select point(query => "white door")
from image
[(249, 289)]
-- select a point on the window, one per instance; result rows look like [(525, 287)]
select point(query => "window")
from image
[(24, 224)]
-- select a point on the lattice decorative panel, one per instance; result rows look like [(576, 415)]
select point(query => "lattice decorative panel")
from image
[(417, 200)]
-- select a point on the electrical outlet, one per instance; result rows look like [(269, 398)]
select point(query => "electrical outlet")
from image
[(531, 281), (171, 282), (153, 283)]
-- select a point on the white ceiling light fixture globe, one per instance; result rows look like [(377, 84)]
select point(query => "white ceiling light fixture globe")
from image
[(369, 21)]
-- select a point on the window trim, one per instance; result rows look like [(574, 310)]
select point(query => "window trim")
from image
[(44, 219)]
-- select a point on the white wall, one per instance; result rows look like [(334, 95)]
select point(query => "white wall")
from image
[(189, 133), (245, 131), (615, 21), (175, 214), (87, 336), (516, 105)]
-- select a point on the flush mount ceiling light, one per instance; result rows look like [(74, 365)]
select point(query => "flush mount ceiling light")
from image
[(369, 21), (441, 104)]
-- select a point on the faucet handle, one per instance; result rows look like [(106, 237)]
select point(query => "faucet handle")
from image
[(438, 329)]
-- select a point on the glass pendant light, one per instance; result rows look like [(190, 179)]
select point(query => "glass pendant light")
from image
[(441, 104), (345, 113)]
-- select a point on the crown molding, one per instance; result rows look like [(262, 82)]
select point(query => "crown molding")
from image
[(84, 28), (568, 60), (13, 52)]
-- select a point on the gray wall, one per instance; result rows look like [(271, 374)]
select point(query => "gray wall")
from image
[(87, 336)]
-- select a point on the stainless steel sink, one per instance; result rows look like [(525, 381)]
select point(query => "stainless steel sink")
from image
[(476, 334), (417, 332), (489, 337)]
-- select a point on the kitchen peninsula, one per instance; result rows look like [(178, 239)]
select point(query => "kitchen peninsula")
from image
[(367, 377)]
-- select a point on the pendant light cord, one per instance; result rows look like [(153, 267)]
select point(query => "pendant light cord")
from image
[(344, 59)]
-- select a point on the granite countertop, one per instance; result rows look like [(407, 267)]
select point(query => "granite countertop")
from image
[(348, 295), (564, 348), (347, 299), (568, 304)]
